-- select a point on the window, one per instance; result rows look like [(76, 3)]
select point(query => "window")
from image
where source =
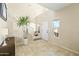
[(56, 25)]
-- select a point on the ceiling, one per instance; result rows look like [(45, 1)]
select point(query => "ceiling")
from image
[(55, 6)]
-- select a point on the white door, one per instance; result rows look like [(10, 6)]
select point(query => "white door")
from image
[(44, 30)]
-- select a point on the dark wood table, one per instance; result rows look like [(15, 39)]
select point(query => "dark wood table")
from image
[(9, 49)]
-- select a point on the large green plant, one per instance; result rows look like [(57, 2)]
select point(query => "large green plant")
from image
[(23, 21)]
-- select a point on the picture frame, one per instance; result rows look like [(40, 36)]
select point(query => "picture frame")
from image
[(3, 11)]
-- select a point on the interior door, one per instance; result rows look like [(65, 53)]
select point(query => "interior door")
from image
[(44, 30)]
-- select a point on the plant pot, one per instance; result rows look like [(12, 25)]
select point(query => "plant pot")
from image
[(25, 41), (25, 32)]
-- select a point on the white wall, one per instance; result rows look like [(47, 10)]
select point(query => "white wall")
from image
[(3, 28), (15, 10), (69, 29), (3, 24), (46, 16)]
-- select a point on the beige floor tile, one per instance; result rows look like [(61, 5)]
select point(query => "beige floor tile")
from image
[(40, 48)]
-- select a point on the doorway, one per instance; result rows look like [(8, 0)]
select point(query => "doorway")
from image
[(44, 30)]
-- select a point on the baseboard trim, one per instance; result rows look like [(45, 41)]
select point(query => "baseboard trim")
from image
[(73, 51)]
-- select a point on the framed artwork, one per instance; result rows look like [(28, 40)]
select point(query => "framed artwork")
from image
[(3, 11)]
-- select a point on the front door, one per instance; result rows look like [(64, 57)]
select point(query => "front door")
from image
[(44, 30)]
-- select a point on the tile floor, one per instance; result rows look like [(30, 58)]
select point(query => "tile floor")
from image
[(41, 48)]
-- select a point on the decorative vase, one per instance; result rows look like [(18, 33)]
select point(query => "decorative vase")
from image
[(25, 35)]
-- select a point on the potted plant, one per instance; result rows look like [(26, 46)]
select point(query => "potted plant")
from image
[(23, 22)]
